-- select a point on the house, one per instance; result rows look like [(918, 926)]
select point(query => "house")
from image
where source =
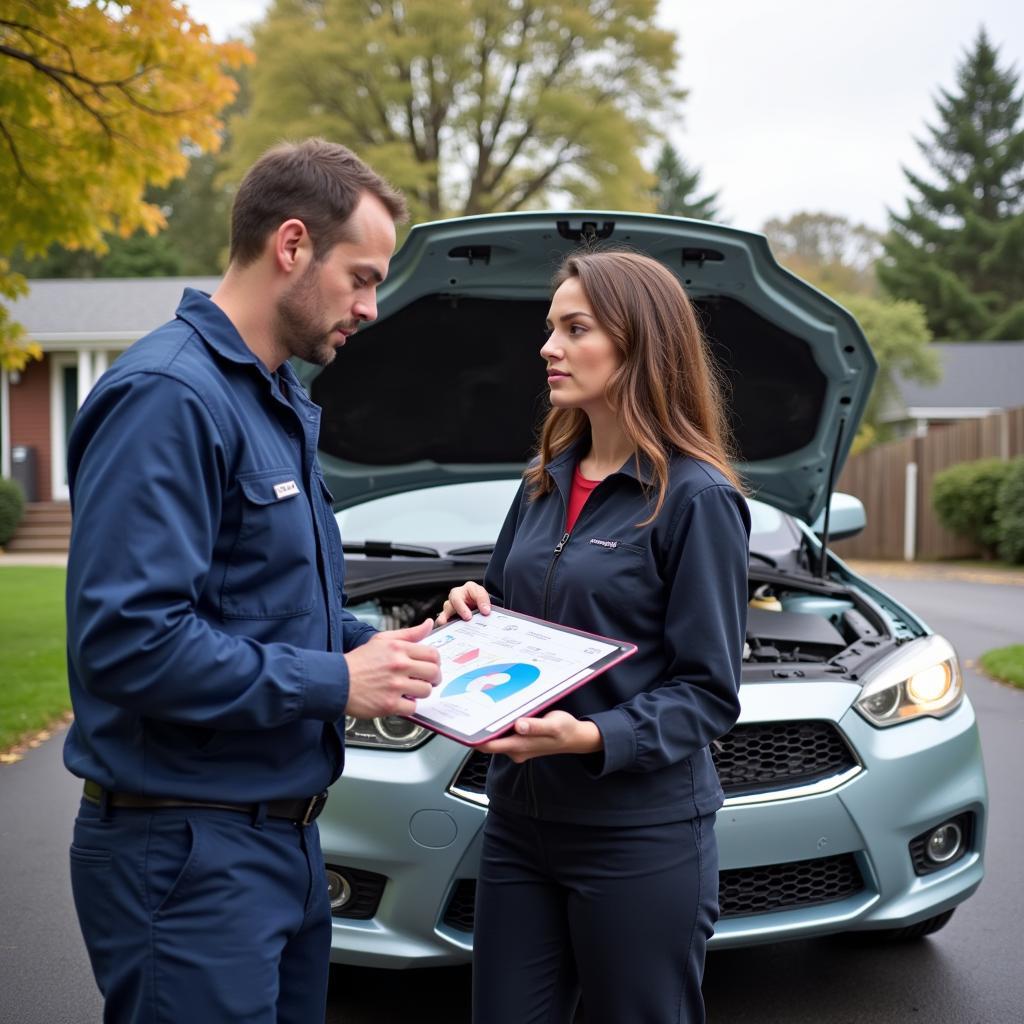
[(979, 379), (81, 326)]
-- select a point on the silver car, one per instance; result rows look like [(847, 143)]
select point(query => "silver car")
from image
[(855, 790)]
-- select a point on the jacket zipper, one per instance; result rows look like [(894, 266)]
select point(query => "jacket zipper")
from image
[(531, 792), (551, 572)]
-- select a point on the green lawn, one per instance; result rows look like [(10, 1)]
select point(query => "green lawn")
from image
[(1006, 663), (33, 673)]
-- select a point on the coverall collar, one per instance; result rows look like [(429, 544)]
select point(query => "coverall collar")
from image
[(214, 326)]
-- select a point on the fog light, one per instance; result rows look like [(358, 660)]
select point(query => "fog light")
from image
[(339, 892), (944, 843)]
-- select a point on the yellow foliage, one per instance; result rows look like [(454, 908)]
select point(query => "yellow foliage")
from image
[(98, 100)]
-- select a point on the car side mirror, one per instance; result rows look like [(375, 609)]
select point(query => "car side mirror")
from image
[(847, 518)]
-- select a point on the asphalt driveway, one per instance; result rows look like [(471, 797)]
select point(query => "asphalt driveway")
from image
[(966, 974)]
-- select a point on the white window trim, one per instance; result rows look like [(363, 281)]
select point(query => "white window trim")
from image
[(58, 452)]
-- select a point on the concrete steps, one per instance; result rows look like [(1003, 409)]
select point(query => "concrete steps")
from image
[(45, 527)]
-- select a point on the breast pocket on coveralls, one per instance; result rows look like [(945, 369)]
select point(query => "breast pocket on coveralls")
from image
[(272, 571)]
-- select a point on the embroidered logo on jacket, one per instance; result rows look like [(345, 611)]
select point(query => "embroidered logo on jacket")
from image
[(604, 543), (286, 490)]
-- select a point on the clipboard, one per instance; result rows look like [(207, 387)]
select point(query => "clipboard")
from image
[(499, 667)]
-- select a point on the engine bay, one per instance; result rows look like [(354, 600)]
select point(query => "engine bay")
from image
[(790, 621)]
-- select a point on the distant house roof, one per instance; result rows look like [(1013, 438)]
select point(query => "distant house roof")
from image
[(76, 310), (978, 377)]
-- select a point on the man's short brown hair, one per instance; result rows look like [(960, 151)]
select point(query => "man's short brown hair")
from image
[(315, 181)]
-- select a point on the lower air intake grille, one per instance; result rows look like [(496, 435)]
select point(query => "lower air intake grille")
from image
[(800, 883), (742, 891), (462, 905)]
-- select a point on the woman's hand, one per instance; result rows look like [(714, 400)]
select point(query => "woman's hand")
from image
[(462, 600), (557, 732)]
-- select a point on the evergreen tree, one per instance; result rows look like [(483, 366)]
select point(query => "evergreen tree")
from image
[(675, 191), (959, 248)]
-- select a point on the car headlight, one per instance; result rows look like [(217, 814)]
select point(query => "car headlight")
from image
[(923, 678), (390, 733)]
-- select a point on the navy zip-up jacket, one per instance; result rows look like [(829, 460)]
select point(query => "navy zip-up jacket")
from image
[(205, 578), (677, 588)]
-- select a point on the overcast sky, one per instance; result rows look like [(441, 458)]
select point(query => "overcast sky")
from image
[(800, 104)]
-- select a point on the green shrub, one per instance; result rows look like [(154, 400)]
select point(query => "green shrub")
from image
[(1010, 513), (12, 505), (964, 498)]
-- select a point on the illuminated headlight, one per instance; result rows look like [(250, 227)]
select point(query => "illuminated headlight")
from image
[(390, 733), (923, 678)]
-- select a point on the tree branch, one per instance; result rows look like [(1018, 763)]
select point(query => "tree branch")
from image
[(12, 146)]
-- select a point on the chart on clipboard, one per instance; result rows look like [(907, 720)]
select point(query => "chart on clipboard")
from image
[(499, 667)]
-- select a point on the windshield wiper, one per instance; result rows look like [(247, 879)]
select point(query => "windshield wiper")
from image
[(385, 549), (765, 558), (472, 549)]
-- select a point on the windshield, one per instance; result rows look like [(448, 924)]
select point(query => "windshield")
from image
[(472, 513)]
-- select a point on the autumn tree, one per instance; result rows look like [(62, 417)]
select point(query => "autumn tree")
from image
[(959, 247), (470, 106), (829, 250), (676, 187), (839, 257), (898, 333), (195, 240), (98, 99)]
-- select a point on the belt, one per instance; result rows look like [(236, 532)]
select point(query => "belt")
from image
[(300, 812)]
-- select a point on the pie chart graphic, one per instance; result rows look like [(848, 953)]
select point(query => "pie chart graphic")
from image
[(497, 681)]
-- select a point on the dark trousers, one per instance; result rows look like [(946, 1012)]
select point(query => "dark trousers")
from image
[(621, 914), (202, 916)]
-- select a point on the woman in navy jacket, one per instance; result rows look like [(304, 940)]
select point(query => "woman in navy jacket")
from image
[(599, 871)]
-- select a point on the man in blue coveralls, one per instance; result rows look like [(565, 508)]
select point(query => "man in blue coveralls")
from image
[(210, 658)]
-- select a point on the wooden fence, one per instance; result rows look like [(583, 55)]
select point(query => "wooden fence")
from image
[(889, 477)]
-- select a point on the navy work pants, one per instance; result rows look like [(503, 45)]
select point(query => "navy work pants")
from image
[(202, 915), (622, 914)]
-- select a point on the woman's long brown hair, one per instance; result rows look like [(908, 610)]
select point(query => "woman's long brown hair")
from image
[(667, 392)]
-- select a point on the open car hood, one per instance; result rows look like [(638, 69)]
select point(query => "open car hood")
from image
[(447, 385)]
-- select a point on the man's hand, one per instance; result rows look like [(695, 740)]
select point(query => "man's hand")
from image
[(386, 675), (557, 732), (462, 600)]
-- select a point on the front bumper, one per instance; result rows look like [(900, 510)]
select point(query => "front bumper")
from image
[(392, 814)]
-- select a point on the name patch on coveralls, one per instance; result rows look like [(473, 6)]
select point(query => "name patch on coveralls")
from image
[(286, 490)]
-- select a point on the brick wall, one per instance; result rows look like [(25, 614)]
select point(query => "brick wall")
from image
[(30, 419)]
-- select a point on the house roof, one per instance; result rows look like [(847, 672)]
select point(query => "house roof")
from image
[(978, 377), (100, 309)]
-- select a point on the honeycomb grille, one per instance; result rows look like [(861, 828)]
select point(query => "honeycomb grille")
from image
[(750, 759), (777, 755), (741, 891), (800, 883), (462, 906)]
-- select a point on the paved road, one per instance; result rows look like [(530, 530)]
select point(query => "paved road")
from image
[(966, 974)]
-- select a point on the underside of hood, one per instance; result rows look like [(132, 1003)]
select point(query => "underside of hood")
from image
[(448, 385)]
